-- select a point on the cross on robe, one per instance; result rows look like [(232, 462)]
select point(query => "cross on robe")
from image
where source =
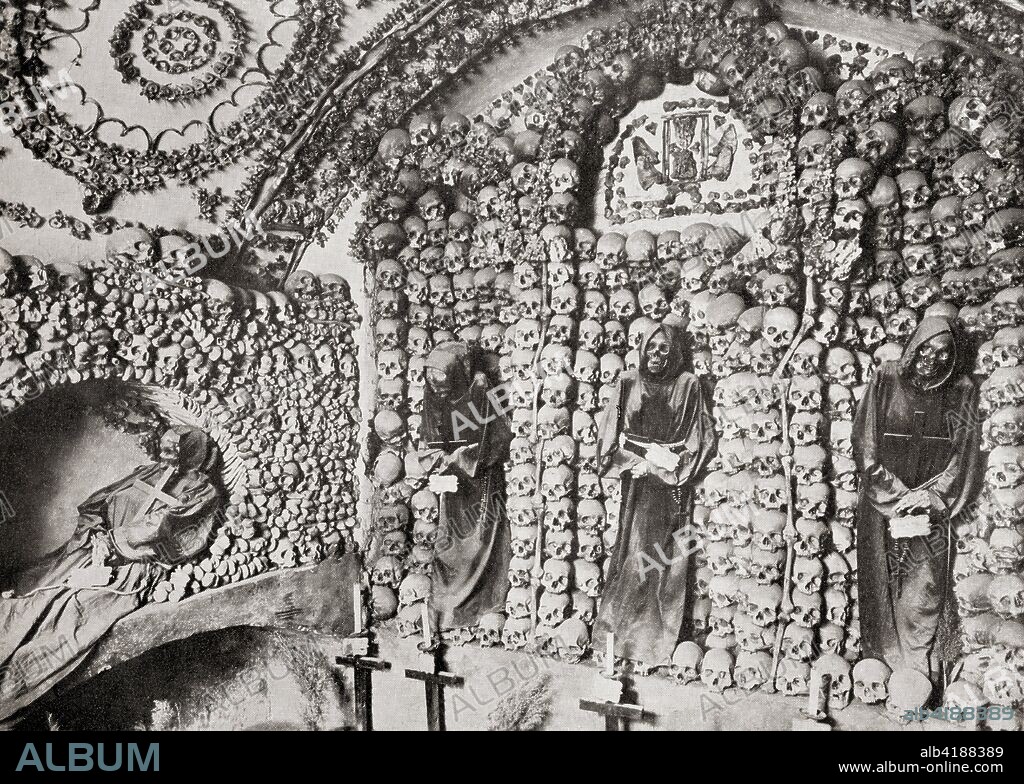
[(446, 445), (917, 443), (153, 494)]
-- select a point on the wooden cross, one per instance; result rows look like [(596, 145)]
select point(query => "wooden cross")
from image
[(917, 442), (152, 494), (618, 712), (363, 667), (617, 716), (434, 681)]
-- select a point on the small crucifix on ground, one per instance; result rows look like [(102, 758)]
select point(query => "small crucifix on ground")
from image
[(363, 668), (433, 675), (363, 662), (616, 716), (613, 705)]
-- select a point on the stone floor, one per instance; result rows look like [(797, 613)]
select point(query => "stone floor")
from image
[(492, 673)]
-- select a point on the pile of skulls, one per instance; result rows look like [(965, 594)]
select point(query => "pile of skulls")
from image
[(469, 231), (930, 185), (271, 377), (457, 258), (989, 588), (772, 432)]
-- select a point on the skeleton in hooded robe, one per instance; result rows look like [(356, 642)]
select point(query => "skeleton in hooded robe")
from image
[(465, 436), (657, 435), (128, 537), (917, 445)]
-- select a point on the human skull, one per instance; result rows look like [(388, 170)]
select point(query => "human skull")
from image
[(879, 143), (557, 575), (870, 681), (806, 608), (926, 116), (813, 148), (780, 327), (792, 677), (716, 670), (1005, 467)]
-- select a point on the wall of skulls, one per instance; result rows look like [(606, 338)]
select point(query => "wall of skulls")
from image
[(271, 377), (475, 233), (928, 185), (893, 196)]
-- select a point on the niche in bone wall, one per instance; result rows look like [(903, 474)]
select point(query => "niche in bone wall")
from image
[(675, 154), (890, 187), (499, 260), (48, 452), (241, 678), (271, 378)]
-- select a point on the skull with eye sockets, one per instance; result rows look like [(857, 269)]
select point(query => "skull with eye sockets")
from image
[(819, 111), (813, 502), (813, 148), (879, 143), (926, 116)]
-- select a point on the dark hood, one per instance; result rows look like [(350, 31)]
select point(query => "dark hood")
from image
[(929, 328), (676, 353)]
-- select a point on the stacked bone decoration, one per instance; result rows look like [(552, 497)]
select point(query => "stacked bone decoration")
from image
[(424, 293), (461, 261), (528, 144), (261, 373), (989, 589), (942, 224), (432, 215), (721, 270), (627, 289)]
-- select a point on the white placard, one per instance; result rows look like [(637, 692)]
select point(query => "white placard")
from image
[(443, 483), (910, 526)]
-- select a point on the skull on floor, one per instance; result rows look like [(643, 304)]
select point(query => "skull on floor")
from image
[(716, 670), (753, 669), (572, 639), (793, 677), (515, 633), (686, 661)]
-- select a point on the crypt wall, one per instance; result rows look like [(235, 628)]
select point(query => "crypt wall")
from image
[(749, 286), (340, 180)]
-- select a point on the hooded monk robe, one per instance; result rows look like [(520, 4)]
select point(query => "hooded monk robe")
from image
[(52, 622), (466, 437), (907, 437), (645, 595)]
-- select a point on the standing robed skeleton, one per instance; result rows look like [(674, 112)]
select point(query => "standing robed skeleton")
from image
[(657, 435), (917, 445), (465, 437)]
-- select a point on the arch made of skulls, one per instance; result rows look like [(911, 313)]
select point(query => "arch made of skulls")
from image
[(258, 372), (474, 231)]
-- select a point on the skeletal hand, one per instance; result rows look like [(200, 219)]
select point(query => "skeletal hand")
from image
[(916, 501)]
